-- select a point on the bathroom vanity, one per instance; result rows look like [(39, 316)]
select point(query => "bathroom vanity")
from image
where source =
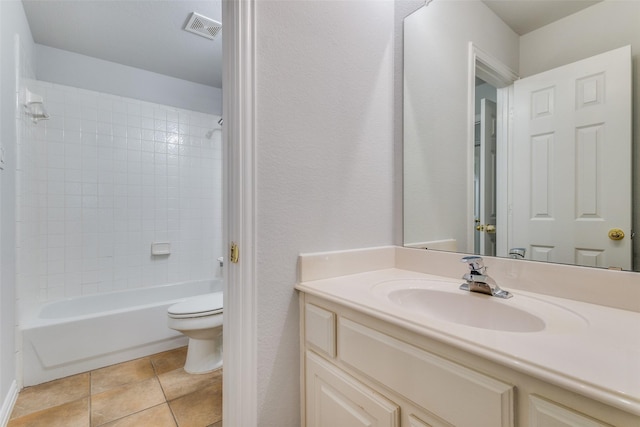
[(386, 342)]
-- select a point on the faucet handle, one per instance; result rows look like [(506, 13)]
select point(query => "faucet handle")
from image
[(517, 253), (474, 262)]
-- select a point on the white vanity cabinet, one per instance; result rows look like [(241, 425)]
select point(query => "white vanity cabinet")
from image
[(434, 391), (359, 370)]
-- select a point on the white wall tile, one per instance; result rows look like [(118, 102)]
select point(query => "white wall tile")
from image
[(104, 178)]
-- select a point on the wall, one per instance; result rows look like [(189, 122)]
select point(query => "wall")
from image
[(436, 47), (324, 138), (72, 69), (599, 28), (100, 181), (12, 22)]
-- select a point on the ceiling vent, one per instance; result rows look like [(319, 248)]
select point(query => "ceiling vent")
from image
[(203, 26)]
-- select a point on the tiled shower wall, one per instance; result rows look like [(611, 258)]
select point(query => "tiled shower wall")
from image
[(103, 179)]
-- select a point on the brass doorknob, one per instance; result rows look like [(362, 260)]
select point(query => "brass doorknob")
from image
[(616, 234), (480, 227), (491, 228)]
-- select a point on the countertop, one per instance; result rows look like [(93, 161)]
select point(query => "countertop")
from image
[(587, 348)]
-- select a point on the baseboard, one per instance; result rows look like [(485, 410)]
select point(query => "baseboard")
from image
[(7, 404)]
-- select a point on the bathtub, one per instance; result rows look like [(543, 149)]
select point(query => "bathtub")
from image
[(75, 335)]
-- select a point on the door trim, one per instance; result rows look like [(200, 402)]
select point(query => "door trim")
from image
[(240, 327)]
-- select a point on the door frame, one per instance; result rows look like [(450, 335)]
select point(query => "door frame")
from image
[(483, 65), (240, 337)]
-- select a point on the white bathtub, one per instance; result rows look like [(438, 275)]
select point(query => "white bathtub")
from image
[(80, 334)]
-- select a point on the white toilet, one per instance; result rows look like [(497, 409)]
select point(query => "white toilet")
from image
[(200, 318)]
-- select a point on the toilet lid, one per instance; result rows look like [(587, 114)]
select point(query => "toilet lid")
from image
[(198, 306)]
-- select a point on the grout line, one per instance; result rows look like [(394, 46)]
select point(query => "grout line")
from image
[(89, 406), (90, 394), (131, 414)]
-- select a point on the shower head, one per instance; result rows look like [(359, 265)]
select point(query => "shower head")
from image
[(209, 134)]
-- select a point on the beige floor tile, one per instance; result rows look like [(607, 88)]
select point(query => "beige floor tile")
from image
[(169, 360), (125, 400), (126, 395), (123, 373), (198, 409), (158, 416), (72, 414), (179, 383), (53, 393)]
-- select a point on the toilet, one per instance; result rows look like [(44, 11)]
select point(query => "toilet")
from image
[(200, 319)]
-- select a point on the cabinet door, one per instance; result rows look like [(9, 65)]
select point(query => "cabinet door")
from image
[(335, 399), (424, 420), (454, 393), (543, 413)]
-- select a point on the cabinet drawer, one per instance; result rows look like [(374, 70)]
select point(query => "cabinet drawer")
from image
[(457, 394), (320, 329), (543, 413)]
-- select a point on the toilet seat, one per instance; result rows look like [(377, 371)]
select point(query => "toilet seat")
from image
[(199, 306)]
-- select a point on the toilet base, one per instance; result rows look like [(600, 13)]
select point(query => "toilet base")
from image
[(203, 355)]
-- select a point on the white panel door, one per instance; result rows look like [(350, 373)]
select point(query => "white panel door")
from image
[(571, 155)]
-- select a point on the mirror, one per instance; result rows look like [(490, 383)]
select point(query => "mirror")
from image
[(496, 196)]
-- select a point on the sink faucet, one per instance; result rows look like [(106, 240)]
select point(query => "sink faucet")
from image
[(478, 281), (517, 253)]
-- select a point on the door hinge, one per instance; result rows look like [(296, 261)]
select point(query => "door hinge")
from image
[(234, 253)]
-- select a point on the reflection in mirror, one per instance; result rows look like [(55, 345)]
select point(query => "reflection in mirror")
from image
[(518, 138), (484, 171)]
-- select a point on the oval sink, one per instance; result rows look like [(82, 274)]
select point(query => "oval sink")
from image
[(467, 308)]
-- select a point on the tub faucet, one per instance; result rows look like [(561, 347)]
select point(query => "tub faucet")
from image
[(478, 281)]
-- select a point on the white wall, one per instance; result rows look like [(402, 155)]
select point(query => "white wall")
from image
[(104, 178), (12, 22), (72, 69), (324, 161), (436, 47), (597, 29)]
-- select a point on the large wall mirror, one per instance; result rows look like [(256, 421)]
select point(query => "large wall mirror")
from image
[(521, 130)]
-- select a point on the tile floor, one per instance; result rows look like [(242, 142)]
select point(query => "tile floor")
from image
[(152, 391)]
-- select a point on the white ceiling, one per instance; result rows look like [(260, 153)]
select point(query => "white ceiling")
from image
[(146, 34), (524, 16)]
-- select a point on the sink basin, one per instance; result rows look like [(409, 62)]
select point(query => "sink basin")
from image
[(442, 300), (466, 308)]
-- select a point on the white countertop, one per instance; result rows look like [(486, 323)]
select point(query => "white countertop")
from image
[(590, 349)]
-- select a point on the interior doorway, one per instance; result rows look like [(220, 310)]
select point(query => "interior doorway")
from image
[(485, 139), (490, 89)]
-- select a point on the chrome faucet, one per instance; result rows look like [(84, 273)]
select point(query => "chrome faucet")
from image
[(478, 281)]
